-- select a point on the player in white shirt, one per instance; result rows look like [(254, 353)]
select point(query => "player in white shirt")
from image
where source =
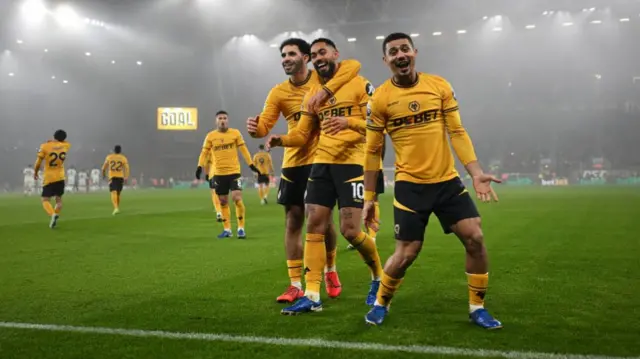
[(95, 179), (82, 181), (39, 182), (29, 182), (71, 179)]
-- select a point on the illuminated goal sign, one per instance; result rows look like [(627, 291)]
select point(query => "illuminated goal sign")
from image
[(177, 118)]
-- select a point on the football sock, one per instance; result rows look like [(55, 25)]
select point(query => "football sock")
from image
[(388, 287), (260, 192), (366, 246), (240, 212), (118, 199), (266, 191), (114, 199), (331, 260), (57, 209), (216, 201), (226, 214), (48, 208), (315, 255), (477, 289), (294, 266), (370, 231)]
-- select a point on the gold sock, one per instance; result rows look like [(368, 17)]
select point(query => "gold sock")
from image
[(226, 216), (315, 256), (260, 194), (216, 201), (48, 208), (114, 199), (370, 231), (388, 287), (57, 209), (331, 259), (294, 267), (265, 190), (118, 199), (369, 252), (477, 288), (240, 213)]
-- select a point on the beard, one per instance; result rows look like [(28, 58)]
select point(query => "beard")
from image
[(325, 69), (292, 67)]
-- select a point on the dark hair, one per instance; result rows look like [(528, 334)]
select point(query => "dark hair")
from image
[(221, 112), (117, 149), (302, 45), (60, 135), (326, 41), (393, 37), (261, 147)]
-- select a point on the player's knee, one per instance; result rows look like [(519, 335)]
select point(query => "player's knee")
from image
[(295, 219), (236, 196), (349, 230), (474, 241), (224, 200)]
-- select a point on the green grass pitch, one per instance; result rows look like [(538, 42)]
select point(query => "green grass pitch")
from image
[(565, 278)]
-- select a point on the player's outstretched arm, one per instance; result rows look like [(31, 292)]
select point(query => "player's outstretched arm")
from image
[(261, 125), (39, 157), (302, 133), (347, 71), (104, 167)]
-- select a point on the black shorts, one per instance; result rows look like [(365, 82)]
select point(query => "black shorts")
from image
[(263, 179), (116, 184), (293, 185), (329, 183), (226, 183), (414, 203), (53, 189), (380, 183)]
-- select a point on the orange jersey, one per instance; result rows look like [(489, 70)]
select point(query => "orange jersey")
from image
[(222, 148), (347, 146), (53, 153), (287, 97), (117, 165), (262, 160), (420, 120)]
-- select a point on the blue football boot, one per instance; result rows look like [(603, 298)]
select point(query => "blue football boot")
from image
[(303, 305), (376, 315), (225, 234), (373, 292), (482, 318)]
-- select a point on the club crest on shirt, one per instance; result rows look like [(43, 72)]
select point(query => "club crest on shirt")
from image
[(414, 106), (332, 101), (370, 89)]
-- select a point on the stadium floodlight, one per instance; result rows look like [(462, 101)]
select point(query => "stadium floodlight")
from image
[(19, 42), (485, 17), (67, 17), (139, 63), (498, 17), (462, 31), (592, 9), (497, 29), (379, 37), (87, 54), (46, 50), (598, 76), (65, 81), (437, 33), (625, 19), (53, 77), (351, 39), (113, 61), (33, 11), (567, 24), (274, 45), (596, 22), (415, 34), (11, 74), (529, 27), (545, 13)]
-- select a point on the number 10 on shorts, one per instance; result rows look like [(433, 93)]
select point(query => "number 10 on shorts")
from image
[(358, 190)]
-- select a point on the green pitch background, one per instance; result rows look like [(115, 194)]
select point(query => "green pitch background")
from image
[(565, 277)]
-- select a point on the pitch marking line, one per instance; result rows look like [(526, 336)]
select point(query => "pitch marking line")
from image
[(317, 343)]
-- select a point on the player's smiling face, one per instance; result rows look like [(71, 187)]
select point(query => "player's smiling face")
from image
[(222, 121), (324, 59), (400, 57), (292, 59)]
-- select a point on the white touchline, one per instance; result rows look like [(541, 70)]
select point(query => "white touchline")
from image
[(318, 343)]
